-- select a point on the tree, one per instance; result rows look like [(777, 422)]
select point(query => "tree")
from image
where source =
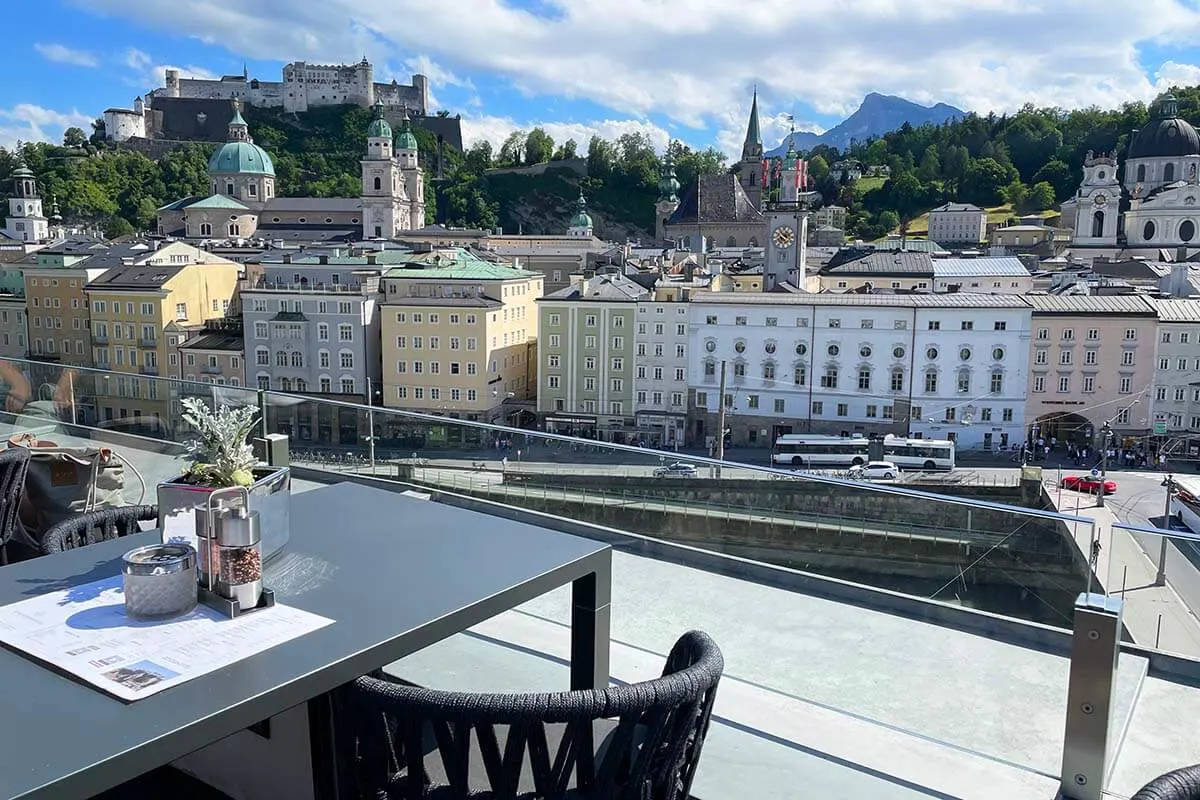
[(512, 152), (876, 152), (98, 136), (1015, 193), (538, 146), (566, 150), (1060, 177), (479, 157), (1041, 196), (74, 138), (931, 166), (888, 220), (601, 158), (117, 227), (985, 180), (818, 169)]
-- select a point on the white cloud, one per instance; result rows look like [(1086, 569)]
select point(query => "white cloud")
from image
[(62, 54), (696, 64), (26, 122), (137, 59), (494, 129), (437, 74)]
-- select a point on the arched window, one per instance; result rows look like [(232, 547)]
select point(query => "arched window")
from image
[(754, 241), (285, 384), (731, 241), (378, 183), (1187, 231), (1168, 173), (1148, 231), (687, 243), (1141, 173), (1098, 224)]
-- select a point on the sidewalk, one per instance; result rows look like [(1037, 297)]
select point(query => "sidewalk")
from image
[(1151, 613)]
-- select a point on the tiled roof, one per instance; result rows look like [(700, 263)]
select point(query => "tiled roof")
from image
[(911, 245), (949, 300), (1090, 304), (1177, 310), (716, 198), (215, 340), (889, 263), (135, 276), (607, 287), (219, 201), (970, 267), (464, 266), (958, 207)]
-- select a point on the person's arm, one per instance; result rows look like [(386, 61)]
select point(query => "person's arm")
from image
[(19, 390)]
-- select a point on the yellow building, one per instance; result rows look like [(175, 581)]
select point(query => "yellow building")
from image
[(133, 309), (459, 333), (56, 306)]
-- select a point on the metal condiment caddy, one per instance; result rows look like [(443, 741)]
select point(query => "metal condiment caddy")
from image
[(230, 568)]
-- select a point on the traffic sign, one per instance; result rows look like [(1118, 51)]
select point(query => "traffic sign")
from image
[(1160, 427), (1095, 472)]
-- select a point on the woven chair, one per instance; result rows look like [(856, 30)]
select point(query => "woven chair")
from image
[(96, 526), (14, 464), (1180, 784), (517, 746)]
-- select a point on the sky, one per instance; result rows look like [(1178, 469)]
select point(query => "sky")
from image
[(681, 69)]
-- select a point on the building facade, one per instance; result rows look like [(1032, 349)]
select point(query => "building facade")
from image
[(933, 366), (660, 381), (26, 221), (459, 335), (1175, 407), (1092, 360), (12, 314), (958, 223), (587, 357)]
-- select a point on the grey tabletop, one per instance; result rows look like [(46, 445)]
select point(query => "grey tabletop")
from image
[(395, 573)]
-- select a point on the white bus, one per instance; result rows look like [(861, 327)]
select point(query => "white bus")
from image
[(840, 452)]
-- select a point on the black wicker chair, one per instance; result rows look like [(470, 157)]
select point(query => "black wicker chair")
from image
[(96, 526), (1180, 784), (14, 464), (515, 746)]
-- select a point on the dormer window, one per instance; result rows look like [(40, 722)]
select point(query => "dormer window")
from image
[(253, 190)]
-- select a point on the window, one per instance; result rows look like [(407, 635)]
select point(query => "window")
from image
[(260, 330), (1064, 383), (1068, 334), (866, 323), (1165, 338), (1043, 333), (1000, 325), (346, 359), (739, 320), (864, 378), (935, 325), (618, 342), (1064, 356), (1093, 334), (555, 319), (262, 357), (1181, 364), (968, 325), (1041, 356), (931, 382), (800, 376), (618, 364), (1184, 337), (181, 311), (1127, 358), (818, 408), (830, 379), (619, 322), (1126, 385), (589, 321), (280, 358), (752, 401), (1180, 394), (1130, 334), (323, 359), (1123, 416), (1090, 356), (843, 410), (617, 384), (552, 382), (345, 333), (347, 385), (997, 383), (964, 382), (1039, 383), (835, 323), (710, 319), (768, 371)]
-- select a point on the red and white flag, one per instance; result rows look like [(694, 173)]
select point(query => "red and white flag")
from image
[(766, 171)]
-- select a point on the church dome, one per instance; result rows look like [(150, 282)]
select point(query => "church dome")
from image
[(406, 140), (241, 158), (581, 218), (1166, 134), (379, 127)]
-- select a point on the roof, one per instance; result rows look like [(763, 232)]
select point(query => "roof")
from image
[(911, 245), (948, 300), (457, 302), (464, 265), (886, 263), (135, 276), (716, 198), (606, 287), (971, 267), (1177, 310), (242, 158), (331, 204), (216, 340), (957, 207), (1165, 134), (1129, 304), (379, 127), (218, 201)]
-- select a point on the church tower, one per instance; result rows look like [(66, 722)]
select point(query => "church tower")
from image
[(787, 228), (412, 176), (668, 196), (25, 220), (580, 224), (751, 167), (383, 196), (1098, 202)]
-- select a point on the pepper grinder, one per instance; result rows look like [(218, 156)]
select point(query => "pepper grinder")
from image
[(239, 544)]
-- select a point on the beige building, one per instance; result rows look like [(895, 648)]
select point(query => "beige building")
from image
[(208, 357), (958, 223), (56, 305), (458, 333), (134, 308), (1091, 361)]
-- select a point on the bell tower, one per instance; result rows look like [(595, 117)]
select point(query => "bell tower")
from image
[(787, 227), (25, 220), (668, 196), (382, 182), (750, 170)]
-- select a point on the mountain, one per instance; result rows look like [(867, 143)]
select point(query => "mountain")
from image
[(878, 114)]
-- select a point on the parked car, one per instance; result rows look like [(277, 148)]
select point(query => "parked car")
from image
[(875, 470), (676, 470), (1086, 483)]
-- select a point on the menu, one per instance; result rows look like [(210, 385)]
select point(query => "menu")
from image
[(84, 631)]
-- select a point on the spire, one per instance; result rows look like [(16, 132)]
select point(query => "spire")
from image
[(239, 131), (752, 148), (668, 184)]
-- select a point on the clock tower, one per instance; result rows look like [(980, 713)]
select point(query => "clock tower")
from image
[(787, 229)]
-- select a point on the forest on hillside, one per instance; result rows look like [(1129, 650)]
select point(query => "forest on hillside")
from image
[(1030, 159)]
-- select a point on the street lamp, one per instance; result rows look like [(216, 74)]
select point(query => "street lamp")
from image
[(1105, 432), (1171, 486)]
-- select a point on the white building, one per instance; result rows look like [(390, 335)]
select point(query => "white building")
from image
[(943, 366), (1095, 207), (1176, 396), (26, 222), (660, 381), (393, 197), (958, 223)]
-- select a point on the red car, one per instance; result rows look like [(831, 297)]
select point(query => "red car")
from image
[(1086, 483)]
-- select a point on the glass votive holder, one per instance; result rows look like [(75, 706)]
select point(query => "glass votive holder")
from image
[(159, 580)]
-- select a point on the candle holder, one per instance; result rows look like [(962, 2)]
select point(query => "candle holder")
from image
[(230, 567)]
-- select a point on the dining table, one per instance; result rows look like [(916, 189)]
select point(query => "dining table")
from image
[(395, 573)]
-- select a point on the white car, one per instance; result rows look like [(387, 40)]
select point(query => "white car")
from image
[(677, 470), (875, 470)]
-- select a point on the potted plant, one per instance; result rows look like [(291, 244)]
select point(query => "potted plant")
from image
[(222, 457)]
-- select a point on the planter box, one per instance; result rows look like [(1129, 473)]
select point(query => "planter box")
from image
[(270, 496)]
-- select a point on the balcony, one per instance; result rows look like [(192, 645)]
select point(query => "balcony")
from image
[(99, 338), (310, 287), (939, 664), (146, 369), (151, 343)]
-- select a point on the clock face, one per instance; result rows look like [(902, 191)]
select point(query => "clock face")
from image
[(1101, 200), (784, 236)]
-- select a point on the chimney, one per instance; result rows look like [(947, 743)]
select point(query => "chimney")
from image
[(287, 258), (322, 259), (1181, 253), (371, 259)]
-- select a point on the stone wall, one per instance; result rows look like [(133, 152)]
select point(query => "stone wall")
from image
[(576, 165)]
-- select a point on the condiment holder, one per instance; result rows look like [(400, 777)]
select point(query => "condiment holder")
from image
[(231, 565), (159, 580)]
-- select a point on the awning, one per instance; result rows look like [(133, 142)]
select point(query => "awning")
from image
[(572, 420)]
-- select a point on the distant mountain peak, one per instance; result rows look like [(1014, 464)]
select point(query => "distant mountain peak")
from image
[(876, 115)]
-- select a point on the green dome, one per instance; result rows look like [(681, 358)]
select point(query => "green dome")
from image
[(406, 140), (379, 126), (581, 218), (241, 157)]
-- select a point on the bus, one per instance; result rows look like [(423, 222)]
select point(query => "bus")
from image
[(840, 452)]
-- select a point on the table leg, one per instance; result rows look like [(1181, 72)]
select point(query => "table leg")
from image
[(590, 598)]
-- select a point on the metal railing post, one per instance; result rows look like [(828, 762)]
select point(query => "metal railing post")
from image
[(1095, 647)]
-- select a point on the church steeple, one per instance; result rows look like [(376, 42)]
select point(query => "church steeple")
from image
[(752, 147)]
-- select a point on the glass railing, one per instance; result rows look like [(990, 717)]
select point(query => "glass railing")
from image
[(995, 546)]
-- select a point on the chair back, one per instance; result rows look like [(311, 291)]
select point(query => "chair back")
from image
[(650, 736), (1180, 784), (14, 464), (96, 526)]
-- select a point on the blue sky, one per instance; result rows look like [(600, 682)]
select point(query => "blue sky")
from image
[(681, 69)]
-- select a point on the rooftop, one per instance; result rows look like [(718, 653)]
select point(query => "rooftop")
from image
[(1128, 304), (1177, 310), (453, 264), (944, 300), (957, 207), (985, 266), (610, 286), (715, 198)]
